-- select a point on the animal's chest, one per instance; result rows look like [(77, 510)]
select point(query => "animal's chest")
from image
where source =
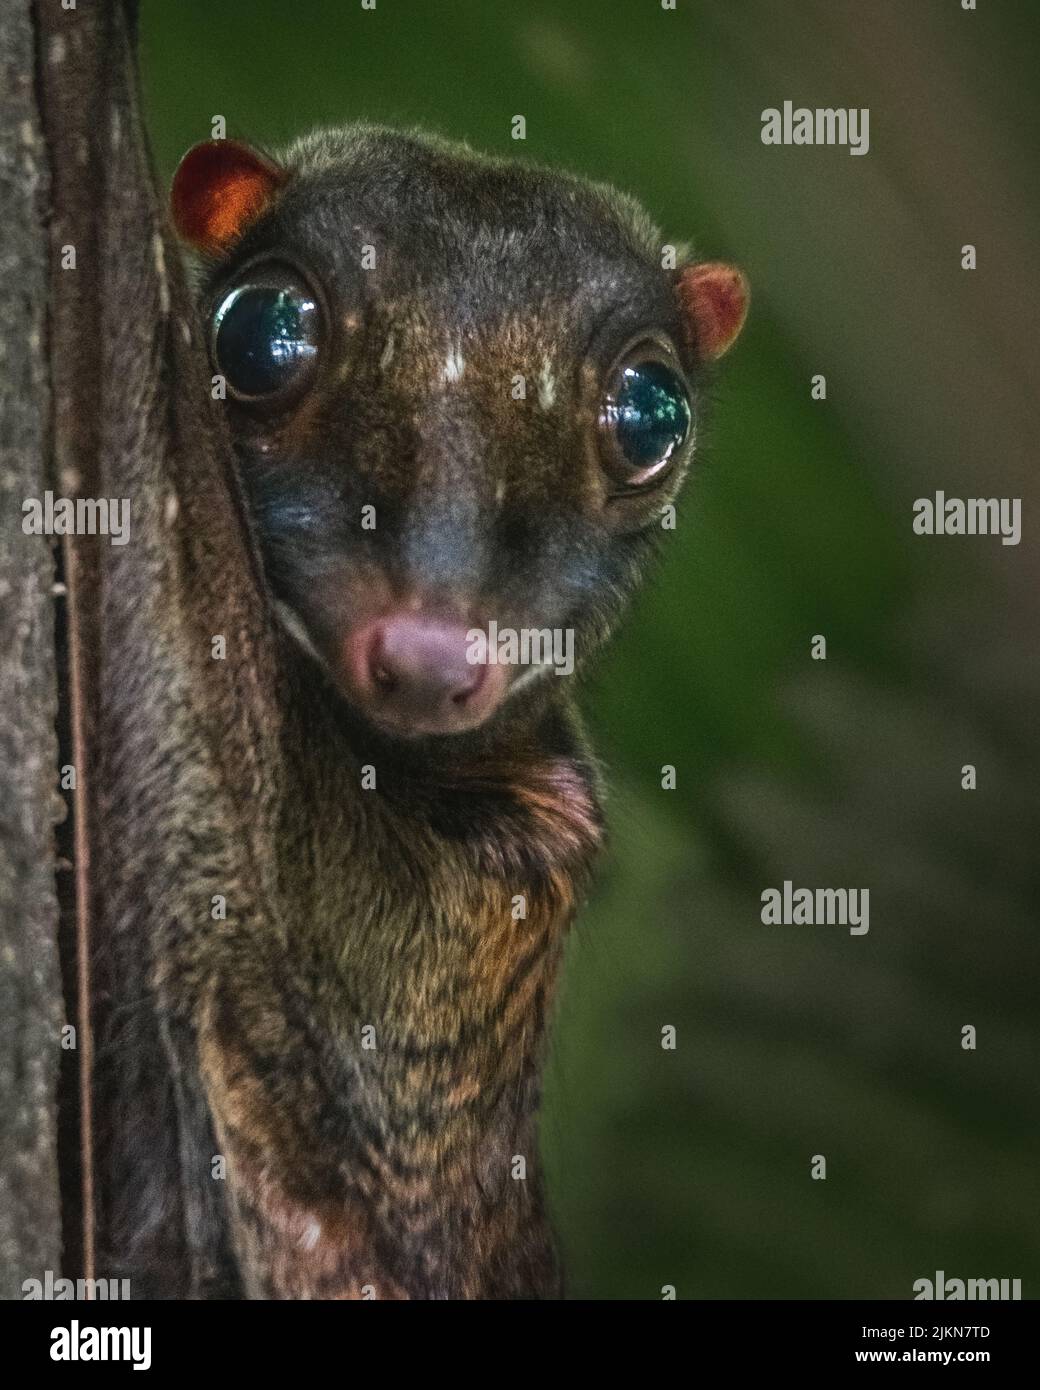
[(462, 950)]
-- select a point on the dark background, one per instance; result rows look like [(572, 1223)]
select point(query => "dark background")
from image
[(692, 1167)]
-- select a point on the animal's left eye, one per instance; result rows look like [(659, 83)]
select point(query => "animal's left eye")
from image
[(647, 416), (266, 336)]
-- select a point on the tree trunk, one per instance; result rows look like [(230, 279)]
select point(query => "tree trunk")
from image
[(30, 988), (104, 394)]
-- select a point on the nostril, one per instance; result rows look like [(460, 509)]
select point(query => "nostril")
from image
[(383, 678), (471, 683)]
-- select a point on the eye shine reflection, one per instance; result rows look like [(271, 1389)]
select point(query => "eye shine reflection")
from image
[(651, 413), (265, 336)]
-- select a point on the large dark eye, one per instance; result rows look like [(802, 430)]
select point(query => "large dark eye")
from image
[(646, 416), (266, 335)]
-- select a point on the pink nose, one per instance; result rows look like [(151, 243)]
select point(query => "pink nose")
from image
[(410, 673)]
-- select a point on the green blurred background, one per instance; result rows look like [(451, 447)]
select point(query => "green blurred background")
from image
[(691, 1167)]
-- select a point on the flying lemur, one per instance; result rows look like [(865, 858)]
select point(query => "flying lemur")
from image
[(461, 391)]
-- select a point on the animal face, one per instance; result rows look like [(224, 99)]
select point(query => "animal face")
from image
[(461, 392)]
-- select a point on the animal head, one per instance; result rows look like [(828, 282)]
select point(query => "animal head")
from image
[(461, 391)]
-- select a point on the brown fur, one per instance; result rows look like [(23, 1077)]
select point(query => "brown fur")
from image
[(240, 1035)]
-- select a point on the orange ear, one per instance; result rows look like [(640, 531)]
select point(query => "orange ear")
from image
[(713, 298), (219, 189)]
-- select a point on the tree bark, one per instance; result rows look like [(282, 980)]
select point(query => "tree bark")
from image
[(30, 987), (104, 394), (170, 740)]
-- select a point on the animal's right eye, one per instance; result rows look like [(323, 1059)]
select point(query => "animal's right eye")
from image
[(646, 418), (266, 336)]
